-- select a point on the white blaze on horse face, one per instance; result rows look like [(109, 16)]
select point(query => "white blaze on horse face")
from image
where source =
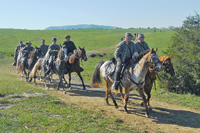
[(65, 52)]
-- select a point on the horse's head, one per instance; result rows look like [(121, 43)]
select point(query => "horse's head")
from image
[(168, 66), (39, 52), (154, 61), (82, 53), (64, 51)]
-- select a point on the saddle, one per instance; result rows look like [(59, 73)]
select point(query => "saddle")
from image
[(111, 67)]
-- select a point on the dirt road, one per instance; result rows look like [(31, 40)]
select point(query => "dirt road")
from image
[(164, 117)]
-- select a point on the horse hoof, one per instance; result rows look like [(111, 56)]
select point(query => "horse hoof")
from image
[(123, 99), (35, 84), (64, 92), (47, 88), (150, 109), (116, 106), (40, 79), (52, 81), (70, 88), (146, 115), (142, 104), (84, 88)]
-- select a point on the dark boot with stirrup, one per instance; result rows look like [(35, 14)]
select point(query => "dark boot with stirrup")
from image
[(116, 80)]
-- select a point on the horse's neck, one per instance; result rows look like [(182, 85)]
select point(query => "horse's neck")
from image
[(141, 68)]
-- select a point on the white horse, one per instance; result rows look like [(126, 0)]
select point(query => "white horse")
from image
[(132, 79)]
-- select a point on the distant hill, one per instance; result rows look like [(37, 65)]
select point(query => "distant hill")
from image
[(81, 26)]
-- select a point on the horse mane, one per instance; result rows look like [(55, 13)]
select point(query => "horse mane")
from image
[(47, 54), (58, 56), (141, 55), (32, 54)]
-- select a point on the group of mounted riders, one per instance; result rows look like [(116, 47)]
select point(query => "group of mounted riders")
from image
[(141, 65), (53, 51)]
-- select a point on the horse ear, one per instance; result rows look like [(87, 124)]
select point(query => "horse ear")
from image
[(79, 47), (156, 50), (60, 45), (151, 50), (83, 47), (35, 47)]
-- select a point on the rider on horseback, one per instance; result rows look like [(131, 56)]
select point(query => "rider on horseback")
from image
[(43, 47), (71, 48), (125, 52), (26, 51), (18, 48), (53, 51), (141, 45)]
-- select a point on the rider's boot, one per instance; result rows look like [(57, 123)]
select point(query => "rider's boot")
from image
[(116, 80)]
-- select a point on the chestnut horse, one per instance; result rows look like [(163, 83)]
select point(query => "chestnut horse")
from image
[(151, 77), (132, 79), (74, 64)]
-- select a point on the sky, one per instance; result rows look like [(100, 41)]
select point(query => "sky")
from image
[(40, 14)]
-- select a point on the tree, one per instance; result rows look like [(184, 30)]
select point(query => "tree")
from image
[(185, 47)]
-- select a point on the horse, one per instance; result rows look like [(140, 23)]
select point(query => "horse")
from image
[(33, 57), (151, 77), (74, 64), (59, 67), (133, 77)]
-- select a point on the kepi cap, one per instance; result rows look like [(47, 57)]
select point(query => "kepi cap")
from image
[(141, 36), (128, 34), (20, 41), (54, 39), (28, 42)]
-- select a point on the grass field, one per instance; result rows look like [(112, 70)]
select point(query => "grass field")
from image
[(48, 113)]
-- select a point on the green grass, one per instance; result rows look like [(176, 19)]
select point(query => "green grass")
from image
[(41, 114), (47, 113)]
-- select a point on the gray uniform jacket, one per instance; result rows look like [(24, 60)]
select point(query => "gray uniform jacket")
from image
[(18, 48), (54, 47), (44, 48), (141, 47), (124, 51)]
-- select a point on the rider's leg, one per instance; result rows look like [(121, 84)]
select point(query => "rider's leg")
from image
[(14, 64), (117, 75)]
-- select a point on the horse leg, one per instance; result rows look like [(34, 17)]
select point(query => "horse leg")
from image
[(45, 82), (34, 79), (64, 79), (147, 90), (120, 88), (69, 80), (141, 92), (79, 74), (109, 92), (126, 99), (40, 75)]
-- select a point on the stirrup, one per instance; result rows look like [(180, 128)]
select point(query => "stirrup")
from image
[(115, 85)]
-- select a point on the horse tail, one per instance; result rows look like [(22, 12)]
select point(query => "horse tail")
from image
[(19, 70), (36, 66), (96, 79)]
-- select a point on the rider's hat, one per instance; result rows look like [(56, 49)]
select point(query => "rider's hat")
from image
[(20, 41), (128, 34), (54, 39), (28, 42), (42, 40), (67, 36), (141, 36)]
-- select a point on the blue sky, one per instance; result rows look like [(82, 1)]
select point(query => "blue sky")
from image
[(40, 14)]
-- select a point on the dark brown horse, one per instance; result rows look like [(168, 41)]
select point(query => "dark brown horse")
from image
[(151, 77), (74, 64)]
